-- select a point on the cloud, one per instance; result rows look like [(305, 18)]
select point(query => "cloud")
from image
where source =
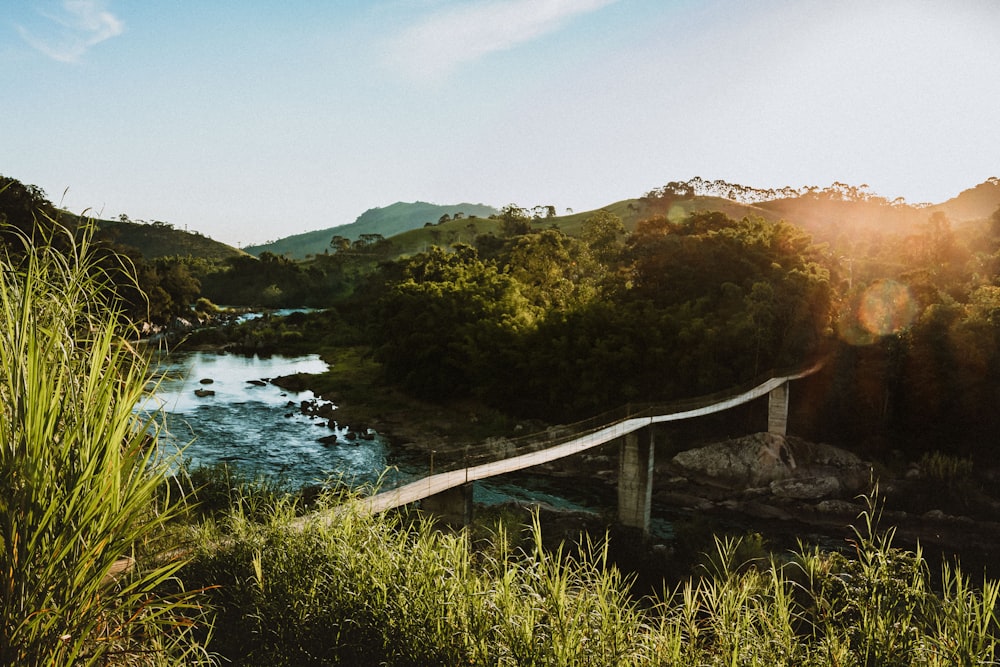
[(71, 28), (461, 33)]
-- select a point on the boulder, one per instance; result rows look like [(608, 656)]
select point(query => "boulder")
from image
[(838, 507), (750, 461), (786, 467), (806, 488)]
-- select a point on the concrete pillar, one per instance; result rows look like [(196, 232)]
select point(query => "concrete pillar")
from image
[(635, 479), (453, 507), (777, 410)]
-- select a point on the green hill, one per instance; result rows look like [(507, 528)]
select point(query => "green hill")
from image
[(388, 221), (160, 239)]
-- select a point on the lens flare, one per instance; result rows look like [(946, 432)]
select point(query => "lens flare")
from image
[(887, 307)]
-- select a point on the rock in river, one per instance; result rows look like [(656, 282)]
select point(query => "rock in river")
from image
[(790, 467)]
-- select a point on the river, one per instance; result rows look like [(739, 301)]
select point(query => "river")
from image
[(256, 427)]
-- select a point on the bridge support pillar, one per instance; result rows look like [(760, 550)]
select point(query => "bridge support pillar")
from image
[(452, 507), (635, 479), (777, 410)]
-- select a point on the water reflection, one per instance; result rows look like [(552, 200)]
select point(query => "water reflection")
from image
[(254, 426)]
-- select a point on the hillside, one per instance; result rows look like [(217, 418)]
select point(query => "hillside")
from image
[(388, 221), (828, 217), (838, 220), (975, 203), (159, 239)]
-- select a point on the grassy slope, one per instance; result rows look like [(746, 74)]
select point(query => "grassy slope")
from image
[(156, 240)]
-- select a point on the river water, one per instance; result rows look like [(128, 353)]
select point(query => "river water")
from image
[(254, 426)]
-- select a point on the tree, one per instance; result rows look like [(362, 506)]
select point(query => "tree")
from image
[(341, 243), (602, 232), (555, 272), (26, 214), (514, 220), (440, 323)]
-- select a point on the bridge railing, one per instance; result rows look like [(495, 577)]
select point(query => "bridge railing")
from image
[(465, 455)]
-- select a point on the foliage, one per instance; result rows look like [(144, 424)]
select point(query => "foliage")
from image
[(25, 212), (554, 272), (543, 329), (364, 590), (436, 321), (157, 240), (393, 221), (514, 220), (953, 472), (917, 362), (602, 232), (344, 587), (79, 471), (272, 281)]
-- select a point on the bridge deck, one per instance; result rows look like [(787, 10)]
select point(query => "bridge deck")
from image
[(434, 484)]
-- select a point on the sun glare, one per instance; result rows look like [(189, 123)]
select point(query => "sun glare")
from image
[(885, 308)]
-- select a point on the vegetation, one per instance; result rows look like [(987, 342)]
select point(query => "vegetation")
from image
[(152, 286), (561, 317), (548, 325), (160, 240), (79, 474), (538, 322), (392, 590)]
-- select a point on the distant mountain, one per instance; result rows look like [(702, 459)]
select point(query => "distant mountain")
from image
[(160, 239), (388, 221)]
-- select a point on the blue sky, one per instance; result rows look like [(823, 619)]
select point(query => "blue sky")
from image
[(249, 120)]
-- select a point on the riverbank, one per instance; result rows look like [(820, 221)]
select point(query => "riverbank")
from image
[(363, 401)]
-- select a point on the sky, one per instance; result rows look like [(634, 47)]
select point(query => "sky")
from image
[(251, 120)]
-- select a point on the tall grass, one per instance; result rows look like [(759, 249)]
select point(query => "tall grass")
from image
[(392, 590), (78, 473)]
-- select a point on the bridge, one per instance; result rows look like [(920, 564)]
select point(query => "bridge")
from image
[(448, 493)]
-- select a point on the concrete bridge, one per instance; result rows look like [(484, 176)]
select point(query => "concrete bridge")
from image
[(448, 494)]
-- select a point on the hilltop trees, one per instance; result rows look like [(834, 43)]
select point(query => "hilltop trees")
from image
[(514, 220), (23, 209)]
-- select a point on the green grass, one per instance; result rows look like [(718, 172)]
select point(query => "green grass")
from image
[(392, 590), (78, 478)]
